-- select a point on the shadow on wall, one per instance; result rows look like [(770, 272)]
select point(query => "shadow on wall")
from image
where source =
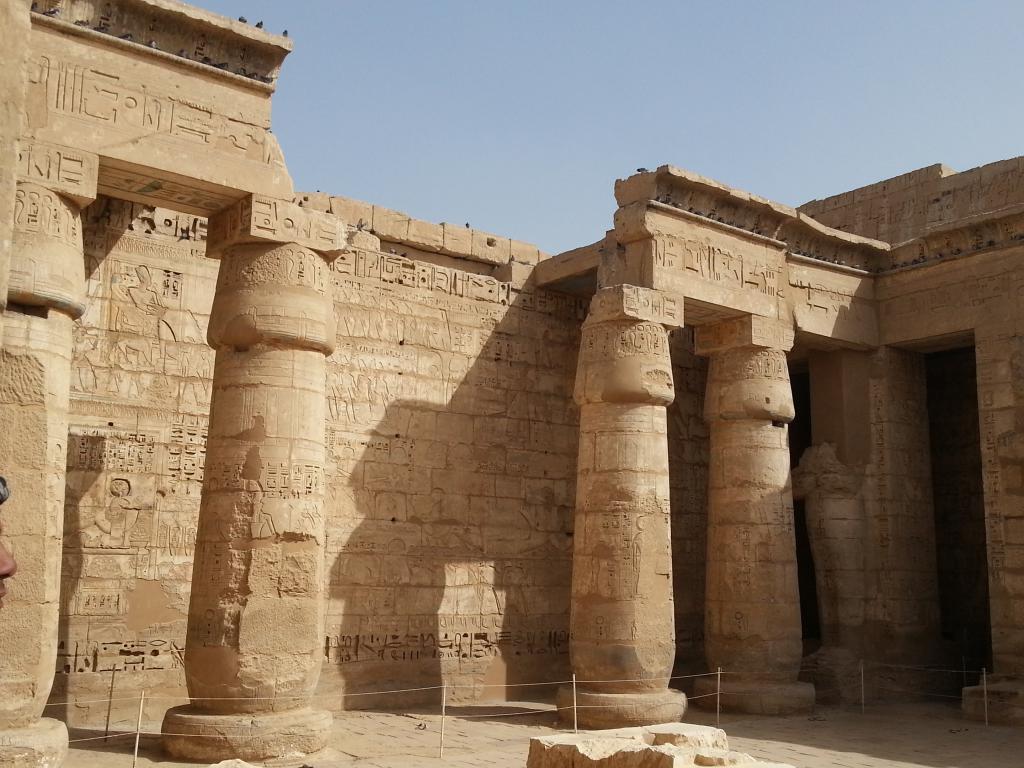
[(450, 512)]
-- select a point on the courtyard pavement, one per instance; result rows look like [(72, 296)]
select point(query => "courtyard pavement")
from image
[(887, 736)]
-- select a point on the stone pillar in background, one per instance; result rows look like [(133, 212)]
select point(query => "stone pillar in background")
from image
[(1000, 359), (46, 294), (752, 627), (15, 23), (255, 627), (834, 510), (622, 616)]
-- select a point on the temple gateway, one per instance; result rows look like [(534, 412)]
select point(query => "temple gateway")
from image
[(275, 455)]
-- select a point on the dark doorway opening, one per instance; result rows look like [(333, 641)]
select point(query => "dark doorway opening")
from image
[(959, 504), (800, 441)]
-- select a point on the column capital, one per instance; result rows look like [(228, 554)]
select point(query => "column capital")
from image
[(630, 302), (67, 171), (263, 219), (749, 331)]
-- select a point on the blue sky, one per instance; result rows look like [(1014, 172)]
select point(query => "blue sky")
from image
[(518, 116)]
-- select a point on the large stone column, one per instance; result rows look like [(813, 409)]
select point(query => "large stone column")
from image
[(622, 619), (46, 294), (255, 628), (752, 609), (16, 25)]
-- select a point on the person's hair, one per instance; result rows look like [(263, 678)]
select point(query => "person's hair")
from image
[(5, 491)]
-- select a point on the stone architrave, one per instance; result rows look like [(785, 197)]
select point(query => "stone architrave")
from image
[(752, 608), (256, 616), (45, 295), (622, 619)]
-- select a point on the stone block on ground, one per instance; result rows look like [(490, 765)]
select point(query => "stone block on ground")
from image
[(670, 745)]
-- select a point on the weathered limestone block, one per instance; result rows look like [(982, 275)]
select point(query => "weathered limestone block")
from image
[(256, 614), (622, 618), (670, 744), (752, 627), (46, 294)]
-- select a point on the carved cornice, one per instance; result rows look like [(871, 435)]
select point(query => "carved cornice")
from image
[(724, 207), (960, 239), (175, 32)]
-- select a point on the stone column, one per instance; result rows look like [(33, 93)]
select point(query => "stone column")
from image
[(622, 618), (255, 628), (16, 24), (46, 294), (752, 608)]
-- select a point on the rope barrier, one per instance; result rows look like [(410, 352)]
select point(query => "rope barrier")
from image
[(447, 713)]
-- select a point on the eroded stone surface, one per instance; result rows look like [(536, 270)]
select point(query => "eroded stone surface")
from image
[(669, 745)]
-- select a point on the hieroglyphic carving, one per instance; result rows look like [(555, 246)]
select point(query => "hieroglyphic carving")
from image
[(76, 89), (398, 270), (718, 264), (262, 218), (65, 170), (613, 341), (398, 647), (39, 210), (141, 655)]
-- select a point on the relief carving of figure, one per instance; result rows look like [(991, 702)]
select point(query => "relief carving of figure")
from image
[(113, 524), (140, 308)]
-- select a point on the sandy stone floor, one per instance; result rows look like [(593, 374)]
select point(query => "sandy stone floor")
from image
[(889, 736)]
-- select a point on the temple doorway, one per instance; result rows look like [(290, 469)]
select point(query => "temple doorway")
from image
[(959, 504)]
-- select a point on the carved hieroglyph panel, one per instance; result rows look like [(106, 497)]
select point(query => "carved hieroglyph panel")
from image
[(451, 443), (140, 392), (151, 125)]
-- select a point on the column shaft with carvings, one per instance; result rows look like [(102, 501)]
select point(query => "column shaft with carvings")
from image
[(14, 21), (622, 618), (752, 608), (45, 295), (255, 627)]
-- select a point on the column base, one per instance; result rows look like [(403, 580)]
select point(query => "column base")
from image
[(1005, 702), (621, 710), (40, 745), (196, 735), (755, 697)]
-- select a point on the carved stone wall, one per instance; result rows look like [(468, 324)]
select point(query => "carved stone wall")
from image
[(688, 476), (451, 442), (912, 204), (140, 394), (902, 609), (451, 465)]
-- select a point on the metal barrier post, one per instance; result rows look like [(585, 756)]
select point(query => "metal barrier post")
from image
[(984, 691), (575, 722), (138, 729), (444, 704), (110, 703), (862, 686), (718, 697)]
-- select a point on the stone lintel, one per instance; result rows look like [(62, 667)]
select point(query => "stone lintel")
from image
[(259, 218), (630, 302), (67, 171), (746, 331)]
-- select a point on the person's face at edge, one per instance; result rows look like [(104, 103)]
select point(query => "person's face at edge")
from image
[(7, 568)]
